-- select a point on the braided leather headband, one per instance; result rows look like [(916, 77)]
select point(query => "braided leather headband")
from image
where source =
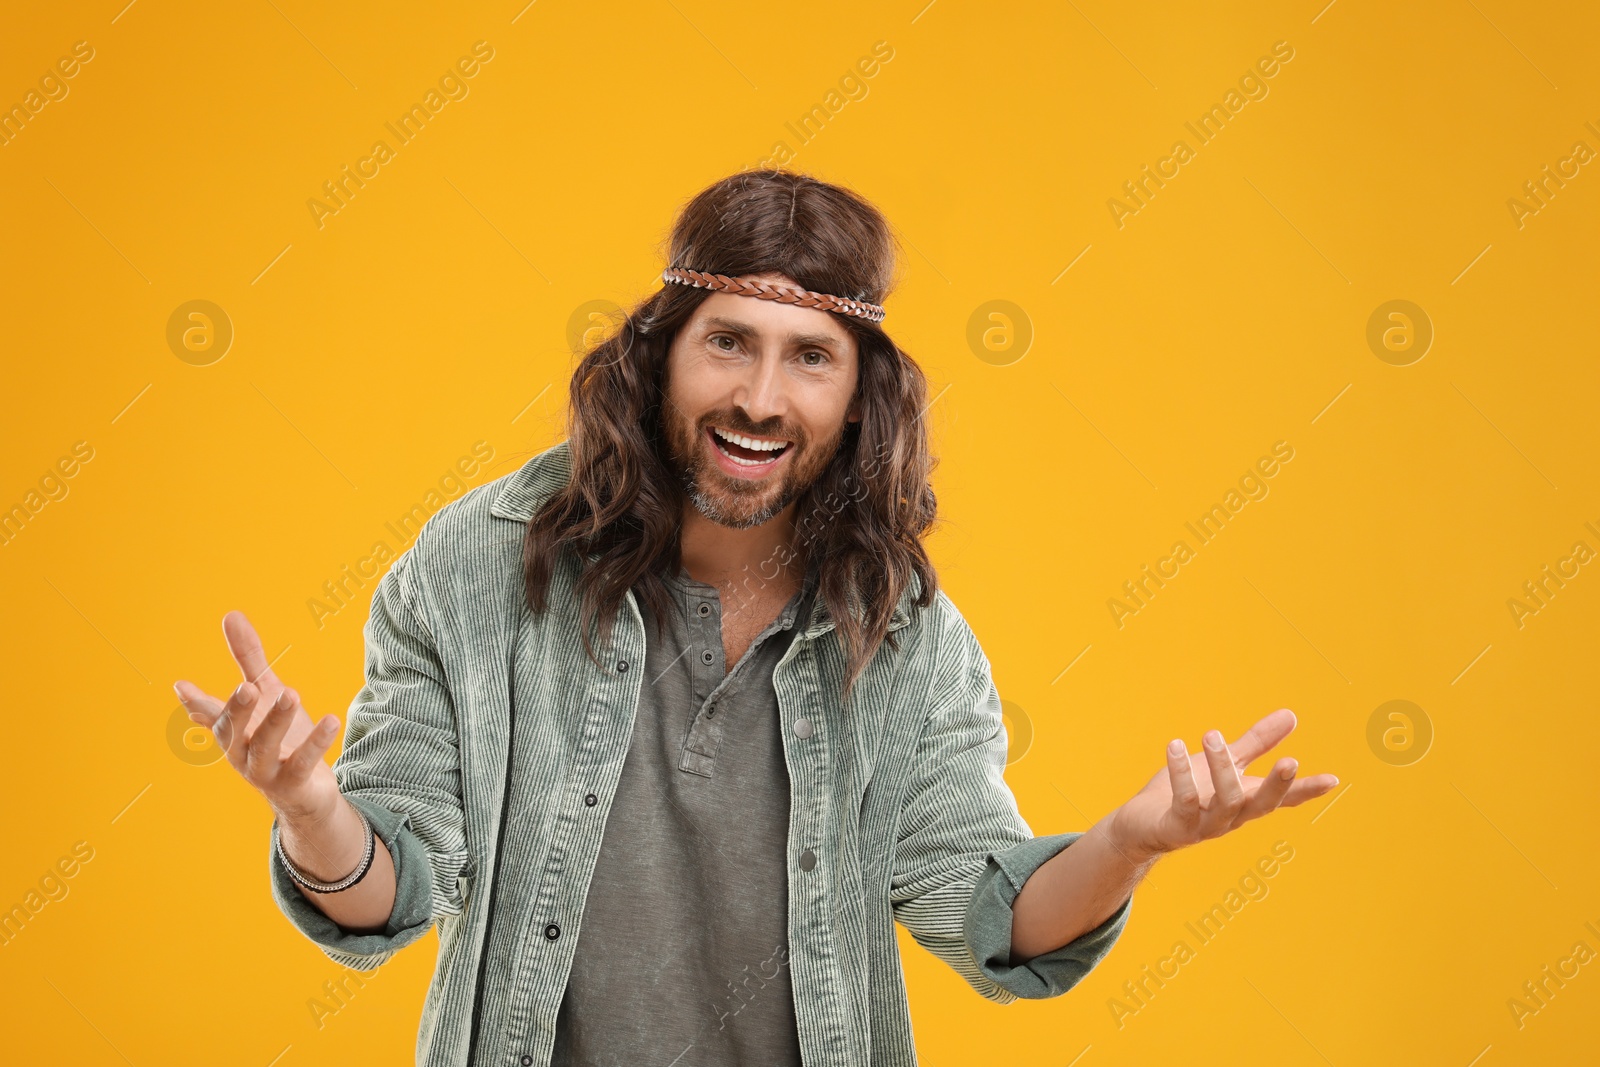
[(745, 285)]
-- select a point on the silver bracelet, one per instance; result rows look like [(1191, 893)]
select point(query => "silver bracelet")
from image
[(328, 887)]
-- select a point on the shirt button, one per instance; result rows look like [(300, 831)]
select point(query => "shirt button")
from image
[(703, 610), (808, 860), (707, 656), (527, 1061), (802, 728), (622, 666), (591, 800), (552, 931)]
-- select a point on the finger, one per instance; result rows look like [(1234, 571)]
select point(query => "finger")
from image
[(263, 754), (245, 645), (231, 727), (202, 707), (1228, 795), (1261, 737), (1309, 789), (1180, 771), (1270, 792), (310, 752)]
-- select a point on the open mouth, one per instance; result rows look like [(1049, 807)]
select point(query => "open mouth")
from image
[(748, 451)]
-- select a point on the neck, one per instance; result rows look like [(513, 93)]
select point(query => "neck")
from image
[(761, 560)]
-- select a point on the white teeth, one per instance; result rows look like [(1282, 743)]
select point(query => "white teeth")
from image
[(762, 446), (749, 442)]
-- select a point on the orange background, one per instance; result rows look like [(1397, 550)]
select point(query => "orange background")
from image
[(1165, 355)]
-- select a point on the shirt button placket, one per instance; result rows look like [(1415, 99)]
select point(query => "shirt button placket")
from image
[(552, 930), (803, 730)]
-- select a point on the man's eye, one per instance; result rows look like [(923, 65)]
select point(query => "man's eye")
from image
[(822, 357), (724, 337)]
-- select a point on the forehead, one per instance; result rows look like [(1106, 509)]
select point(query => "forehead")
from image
[(770, 319)]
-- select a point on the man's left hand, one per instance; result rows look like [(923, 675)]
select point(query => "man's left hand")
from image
[(1197, 798)]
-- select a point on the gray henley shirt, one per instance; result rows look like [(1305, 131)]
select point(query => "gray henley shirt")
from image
[(683, 952)]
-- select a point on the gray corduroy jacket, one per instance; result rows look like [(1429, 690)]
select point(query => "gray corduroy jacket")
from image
[(899, 797)]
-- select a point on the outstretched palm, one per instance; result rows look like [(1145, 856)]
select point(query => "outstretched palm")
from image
[(1201, 797)]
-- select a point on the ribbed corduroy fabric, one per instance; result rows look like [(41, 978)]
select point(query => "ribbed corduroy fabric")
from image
[(900, 795)]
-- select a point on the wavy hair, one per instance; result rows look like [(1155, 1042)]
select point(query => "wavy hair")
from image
[(862, 521)]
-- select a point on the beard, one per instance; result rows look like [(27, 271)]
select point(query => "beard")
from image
[(742, 503)]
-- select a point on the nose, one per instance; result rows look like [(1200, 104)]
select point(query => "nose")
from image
[(762, 392)]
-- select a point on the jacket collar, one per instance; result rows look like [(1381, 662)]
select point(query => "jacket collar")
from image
[(523, 491)]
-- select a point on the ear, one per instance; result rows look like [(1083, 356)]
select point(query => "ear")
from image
[(853, 412)]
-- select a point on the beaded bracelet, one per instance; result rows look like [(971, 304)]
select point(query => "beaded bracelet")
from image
[(328, 887)]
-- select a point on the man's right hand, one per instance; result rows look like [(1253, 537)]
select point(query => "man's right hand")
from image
[(266, 733)]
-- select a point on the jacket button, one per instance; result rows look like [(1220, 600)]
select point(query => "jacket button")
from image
[(622, 666), (591, 800), (552, 931), (808, 860), (703, 610), (707, 656), (802, 728)]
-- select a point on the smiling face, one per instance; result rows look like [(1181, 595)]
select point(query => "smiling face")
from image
[(758, 395)]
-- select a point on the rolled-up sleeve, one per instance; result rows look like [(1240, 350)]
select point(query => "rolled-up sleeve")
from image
[(964, 849), (413, 913), (989, 918), (400, 765)]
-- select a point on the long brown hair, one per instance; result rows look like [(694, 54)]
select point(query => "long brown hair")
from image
[(862, 521)]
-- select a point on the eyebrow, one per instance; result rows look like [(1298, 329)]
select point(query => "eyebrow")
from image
[(744, 329)]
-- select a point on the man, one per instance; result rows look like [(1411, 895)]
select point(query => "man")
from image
[(666, 729)]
